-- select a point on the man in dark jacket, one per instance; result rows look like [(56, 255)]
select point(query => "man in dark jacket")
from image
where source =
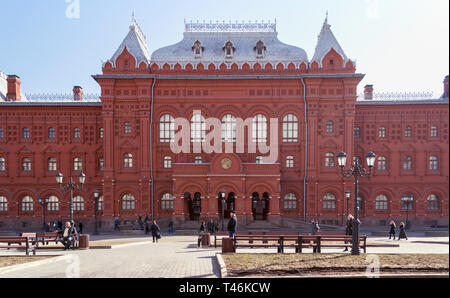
[(232, 224), (69, 234)]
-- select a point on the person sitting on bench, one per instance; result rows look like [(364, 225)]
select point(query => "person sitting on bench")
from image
[(68, 235)]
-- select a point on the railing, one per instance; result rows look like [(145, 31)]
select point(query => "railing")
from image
[(68, 97), (399, 96), (231, 27)]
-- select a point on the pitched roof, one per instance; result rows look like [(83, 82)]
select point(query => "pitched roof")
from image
[(136, 44), (327, 41)]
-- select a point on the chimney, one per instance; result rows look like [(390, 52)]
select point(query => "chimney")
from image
[(445, 87), (368, 92), (77, 93), (13, 88)]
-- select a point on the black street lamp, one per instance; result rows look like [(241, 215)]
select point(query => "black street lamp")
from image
[(71, 186), (356, 171), (96, 199), (222, 200), (347, 197), (44, 204), (408, 201)]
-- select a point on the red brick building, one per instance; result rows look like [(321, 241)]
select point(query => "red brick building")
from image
[(122, 142)]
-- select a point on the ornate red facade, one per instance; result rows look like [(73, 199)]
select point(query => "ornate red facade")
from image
[(122, 143)]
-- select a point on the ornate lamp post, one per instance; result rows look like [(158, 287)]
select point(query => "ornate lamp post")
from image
[(44, 204), (96, 198), (357, 171), (71, 186), (222, 200), (347, 197)]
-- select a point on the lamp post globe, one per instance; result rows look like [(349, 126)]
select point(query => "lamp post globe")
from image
[(342, 159), (347, 197), (370, 159), (96, 197), (222, 200)]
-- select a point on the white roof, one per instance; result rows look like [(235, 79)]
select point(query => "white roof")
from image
[(244, 37), (326, 42)]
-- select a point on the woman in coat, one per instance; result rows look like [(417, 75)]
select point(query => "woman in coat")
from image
[(392, 229), (402, 233), (156, 232)]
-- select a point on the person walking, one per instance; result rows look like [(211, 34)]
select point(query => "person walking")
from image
[(348, 228), (402, 233), (232, 224), (203, 227), (140, 223), (315, 226), (211, 227), (392, 229), (116, 224), (147, 228), (80, 228), (156, 232), (171, 227)]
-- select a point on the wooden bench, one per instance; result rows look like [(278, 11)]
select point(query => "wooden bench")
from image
[(317, 242), (45, 238), (18, 242)]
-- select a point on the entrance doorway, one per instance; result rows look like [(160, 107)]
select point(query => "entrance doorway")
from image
[(230, 203), (194, 204), (260, 206)]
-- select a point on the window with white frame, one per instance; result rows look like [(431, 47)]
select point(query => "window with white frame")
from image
[(229, 50), (25, 133), (77, 164), (101, 164), (1, 133), (381, 203), (166, 128), (51, 133), (357, 132), (198, 49), (127, 127), (329, 160), (290, 128), (100, 132), (3, 204), (128, 202), (78, 203), (432, 203), (381, 161), (51, 164), (198, 160), (2, 164), (434, 132), (167, 202), (407, 202), (329, 202), (77, 133), (167, 162), (434, 163), (128, 161), (408, 132), (330, 127), (26, 164), (27, 204), (259, 159), (382, 132), (100, 203), (228, 129), (259, 128), (198, 129), (407, 163), (260, 49), (289, 162), (53, 204), (290, 201)]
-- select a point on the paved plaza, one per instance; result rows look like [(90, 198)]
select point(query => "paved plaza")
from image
[(177, 257)]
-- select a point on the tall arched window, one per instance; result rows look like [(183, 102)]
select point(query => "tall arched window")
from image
[(53, 204), (166, 129), (407, 163), (260, 49), (434, 132), (198, 49), (290, 201), (26, 164), (76, 133), (229, 128), (290, 128), (381, 203), (357, 132), (289, 162), (329, 160), (259, 128), (381, 162), (77, 164), (3, 204), (198, 129), (51, 133), (408, 131), (51, 164), (330, 126), (382, 132), (167, 162), (78, 203), (101, 164), (434, 163), (229, 49), (360, 202), (2, 164), (127, 127), (128, 202), (432, 203), (408, 202), (128, 160), (329, 202), (167, 202), (26, 204), (25, 133), (100, 204)]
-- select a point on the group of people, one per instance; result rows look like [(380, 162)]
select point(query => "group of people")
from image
[(401, 233), (213, 226)]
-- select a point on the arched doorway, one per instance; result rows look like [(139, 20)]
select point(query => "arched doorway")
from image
[(260, 205), (230, 203), (194, 205)]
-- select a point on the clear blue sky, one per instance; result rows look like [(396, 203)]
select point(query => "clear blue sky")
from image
[(400, 45)]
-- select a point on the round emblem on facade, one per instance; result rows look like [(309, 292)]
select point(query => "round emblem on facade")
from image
[(226, 163)]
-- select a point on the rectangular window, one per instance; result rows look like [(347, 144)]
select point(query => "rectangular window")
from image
[(1, 132)]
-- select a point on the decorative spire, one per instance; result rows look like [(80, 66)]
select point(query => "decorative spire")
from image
[(327, 41)]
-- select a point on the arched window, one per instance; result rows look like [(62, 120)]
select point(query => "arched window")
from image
[(198, 160), (167, 162), (26, 164), (329, 202), (26, 204), (51, 133), (408, 202), (290, 201), (2, 164), (25, 133), (101, 164), (382, 132), (100, 203), (53, 204), (229, 128), (78, 203), (289, 161), (198, 49), (128, 202), (290, 128), (229, 49), (381, 203), (128, 160), (407, 163), (3, 204), (198, 129), (381, 161), (259, 128), (360, 203), (434, 132), (76, 133), (260, 49), (432, 203), (127, 127), (330, 126), (408, 132), (434, 163), (357, 132), (329, 160), (167, 202), (166, 129), (51, 164), (77, 164)]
